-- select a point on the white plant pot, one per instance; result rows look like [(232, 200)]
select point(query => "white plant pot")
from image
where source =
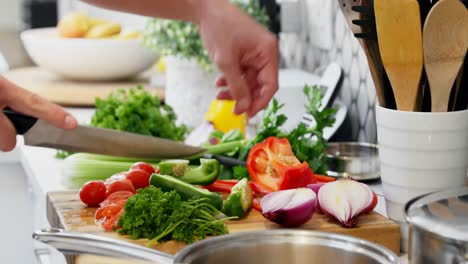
[(189, 89)]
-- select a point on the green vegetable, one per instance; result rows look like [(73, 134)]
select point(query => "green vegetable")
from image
[(82, 167), (186, 190), (182, 39), (137, 111), (239, 201), (308, 144), (162, 216), (240, 172), (204, 174), (62, 154)]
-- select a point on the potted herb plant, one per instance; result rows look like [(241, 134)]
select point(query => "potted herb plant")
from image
[(190, 76)]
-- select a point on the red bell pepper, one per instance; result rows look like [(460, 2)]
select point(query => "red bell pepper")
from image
[(223, 186), (226, 185), (323, 178), (273, 166), (256, 204)]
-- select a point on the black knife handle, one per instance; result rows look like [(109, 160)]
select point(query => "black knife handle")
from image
[(22, 123), (226, 161)]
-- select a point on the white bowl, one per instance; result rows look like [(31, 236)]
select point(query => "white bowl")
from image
[(87, 59)]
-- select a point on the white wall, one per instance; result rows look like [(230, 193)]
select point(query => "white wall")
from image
[(10, 14)]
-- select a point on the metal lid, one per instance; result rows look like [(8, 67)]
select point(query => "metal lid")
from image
[(442, 213)]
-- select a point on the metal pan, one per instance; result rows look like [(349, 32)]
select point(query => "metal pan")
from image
[(353, 159), (272, 246), (438, 224)]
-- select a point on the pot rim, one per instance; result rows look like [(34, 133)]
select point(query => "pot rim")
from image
[(409, 219), (283, 235)]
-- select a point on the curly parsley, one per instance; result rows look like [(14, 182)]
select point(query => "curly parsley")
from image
[(137, 111), (162, 216)]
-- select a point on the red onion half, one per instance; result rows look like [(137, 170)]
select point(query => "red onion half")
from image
[(289, 208), (345, 200)]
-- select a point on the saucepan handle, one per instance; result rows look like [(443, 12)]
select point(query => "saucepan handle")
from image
[(80, 243)]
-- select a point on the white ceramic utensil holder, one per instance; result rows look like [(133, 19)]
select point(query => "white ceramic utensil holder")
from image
[(419, 153)]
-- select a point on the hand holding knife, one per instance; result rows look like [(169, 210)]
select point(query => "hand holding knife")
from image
[(37, 132)]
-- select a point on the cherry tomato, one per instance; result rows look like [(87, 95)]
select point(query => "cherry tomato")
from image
[(111, 223), (119, 185), (117, 176), (117, 198), (139, 178), (143, 166), (93, 193), (107, 211)]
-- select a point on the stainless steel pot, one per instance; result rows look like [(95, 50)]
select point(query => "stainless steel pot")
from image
[(272, 247), (353, 159), (438, 224)]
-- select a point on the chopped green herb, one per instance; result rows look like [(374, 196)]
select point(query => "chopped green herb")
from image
[(162, 216)]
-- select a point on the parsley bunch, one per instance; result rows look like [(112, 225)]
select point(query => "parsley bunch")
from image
[(137, 111), (308, 143), (162, 216)]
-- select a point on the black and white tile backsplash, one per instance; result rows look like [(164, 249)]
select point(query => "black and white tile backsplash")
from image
[(301, 51)]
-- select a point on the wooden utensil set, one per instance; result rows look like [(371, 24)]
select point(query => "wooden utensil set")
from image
[(415, 51)]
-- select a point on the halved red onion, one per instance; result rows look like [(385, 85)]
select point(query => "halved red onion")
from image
[(344, 200), (289, 208), (315, 187)]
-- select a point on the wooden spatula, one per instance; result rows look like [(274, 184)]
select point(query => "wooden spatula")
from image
[(445, 40), (400, 41)]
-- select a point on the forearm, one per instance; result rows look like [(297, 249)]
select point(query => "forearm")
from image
[(187, 10)]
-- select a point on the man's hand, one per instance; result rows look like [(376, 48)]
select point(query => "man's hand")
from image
[(31, 104), (243, 50)]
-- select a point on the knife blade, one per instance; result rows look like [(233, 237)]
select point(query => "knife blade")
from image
[(104, 141)]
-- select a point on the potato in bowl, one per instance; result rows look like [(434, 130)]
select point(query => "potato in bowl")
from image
[(115, 57)]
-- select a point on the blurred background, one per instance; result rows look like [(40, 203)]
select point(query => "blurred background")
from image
[(316, 37)]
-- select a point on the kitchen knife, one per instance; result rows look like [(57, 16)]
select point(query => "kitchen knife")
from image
[(88, 139)]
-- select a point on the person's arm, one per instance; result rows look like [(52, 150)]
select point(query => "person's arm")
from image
[(243, 50), (31, 104), (172, 9)]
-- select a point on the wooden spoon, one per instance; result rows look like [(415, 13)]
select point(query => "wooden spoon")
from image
[(400, 42), (445, 40)]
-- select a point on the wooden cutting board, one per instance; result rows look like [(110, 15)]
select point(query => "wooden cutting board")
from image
[(66, 211), (73, 93)]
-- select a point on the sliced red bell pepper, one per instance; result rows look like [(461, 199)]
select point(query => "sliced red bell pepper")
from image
[(323, 178), (220, 186), (226, 185), (256, 204), (273, 166)]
